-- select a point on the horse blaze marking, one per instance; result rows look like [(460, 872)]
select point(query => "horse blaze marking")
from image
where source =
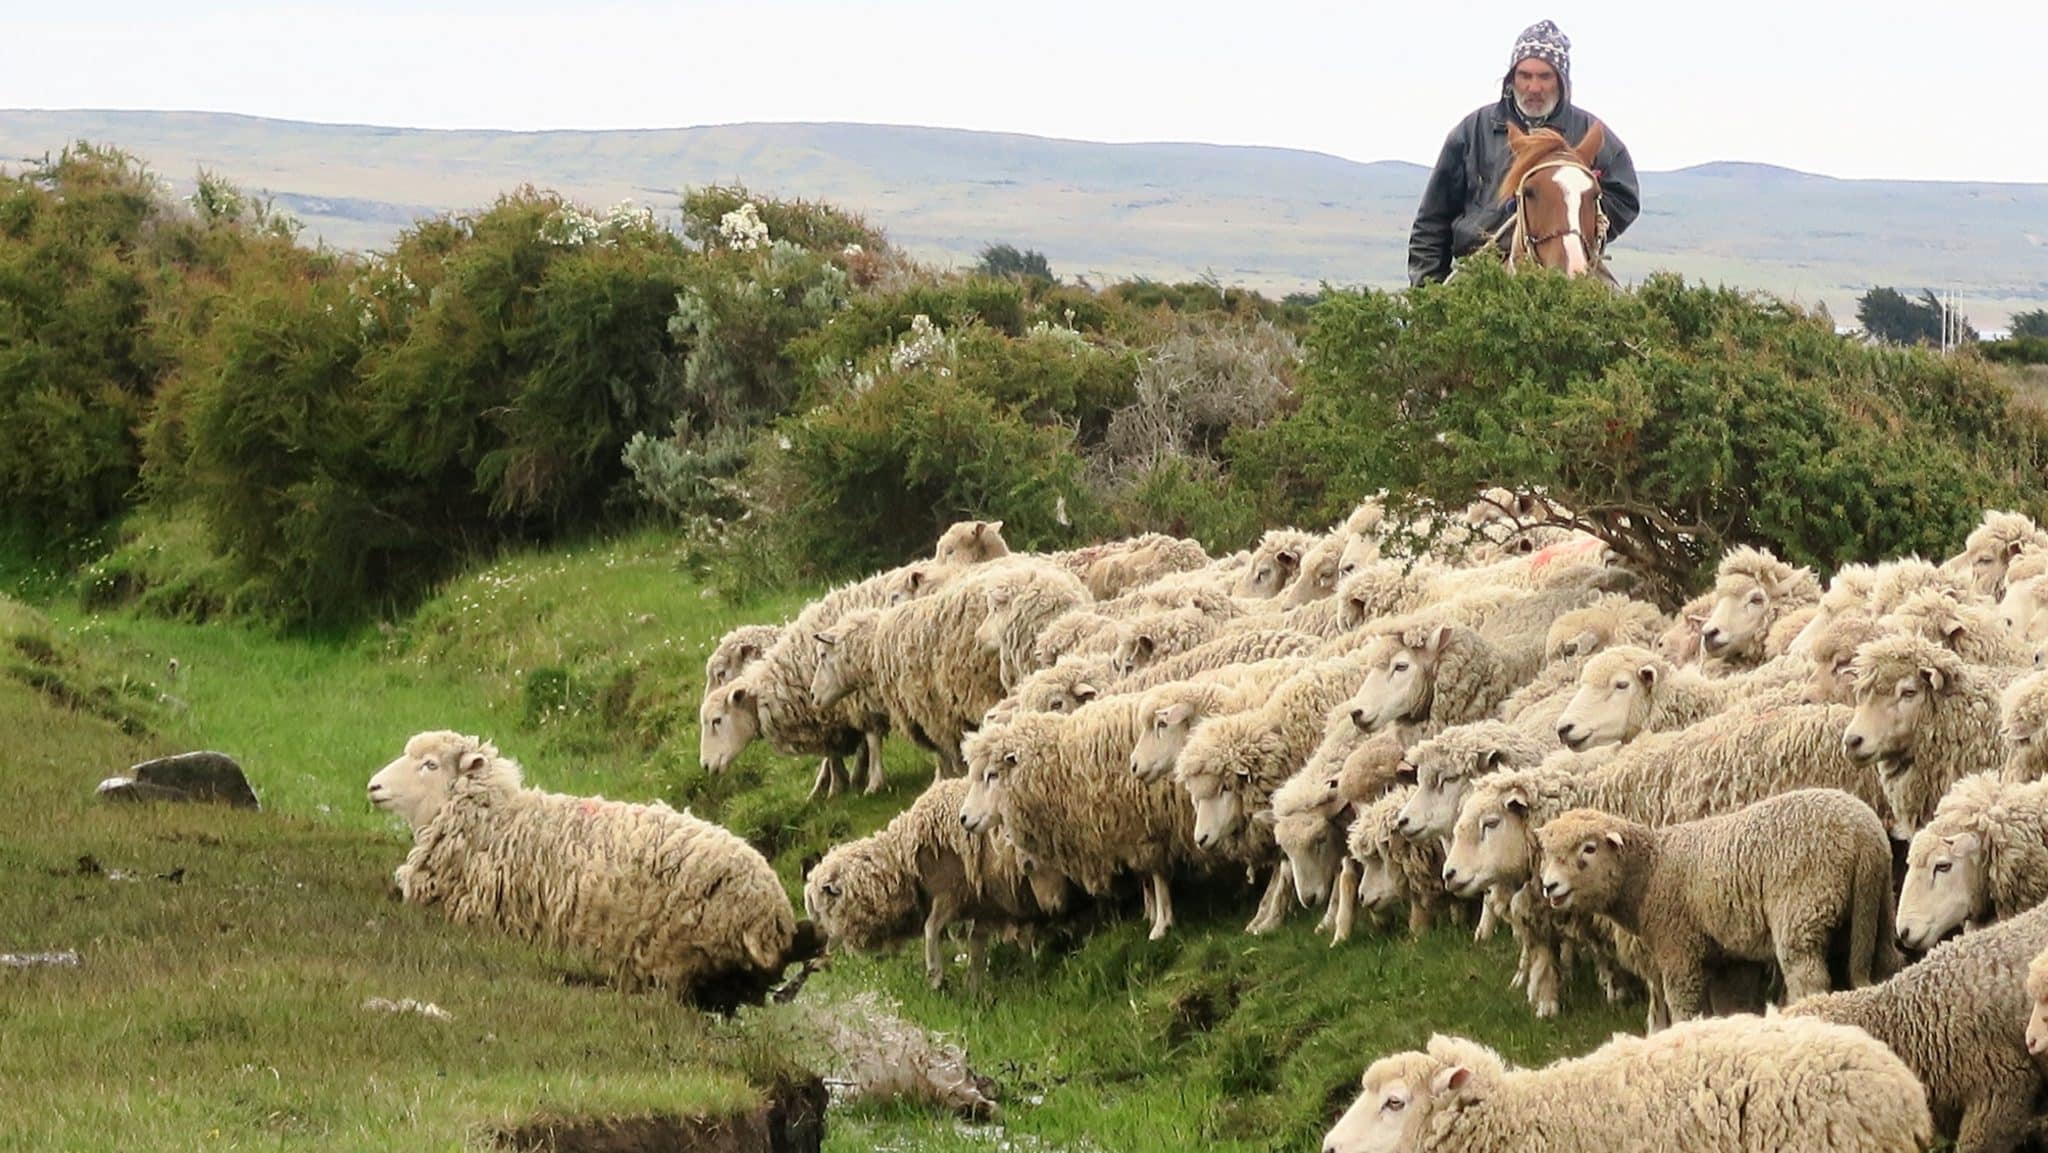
[(1575, 183)]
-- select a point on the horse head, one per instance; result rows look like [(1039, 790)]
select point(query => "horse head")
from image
[(1556, 193)]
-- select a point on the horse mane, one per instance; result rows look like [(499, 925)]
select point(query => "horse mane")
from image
[(1533, 149)]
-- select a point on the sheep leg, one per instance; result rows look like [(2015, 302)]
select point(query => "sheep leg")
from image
[(1995, 1121), (1273, 906), (871, 752), (1421, 914), (949, 764), (935, 922), (1685, 986), (1162, 907), (977, 955), (827, 782), (1346, 905), (1345, 879), (1488, 921), (1544, 982), (1806, 971)]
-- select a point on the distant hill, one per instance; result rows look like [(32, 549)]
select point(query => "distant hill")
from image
[(1271, 218)]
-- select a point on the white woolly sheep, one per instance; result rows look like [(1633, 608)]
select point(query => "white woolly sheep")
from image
[(2024, 608), (1991, 547), (1018, 602), (1722, 1085), (660, 898), (1958, 1020), (736, 650), (1171, 712), (1061, 787), (1110, 570), (1680, 643), (1274, 563), (1775, 880), (1848, 591), (1430, 675), (1974, 630), (1628, 691), (1313, 811), (1153, 638), (1322, 566), (1392, 869), (923, 867), (1924, 719), (1752, 590), (2023, 709), (1982, 858), (2037, 997), (1071, 682), (1832, 652), (1446, 764), (1245, 647), (971, 542)]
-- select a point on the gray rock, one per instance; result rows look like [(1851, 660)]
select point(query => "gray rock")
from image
[(209, 777)]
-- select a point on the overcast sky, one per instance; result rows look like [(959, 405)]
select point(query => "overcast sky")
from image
[(1881, 88)]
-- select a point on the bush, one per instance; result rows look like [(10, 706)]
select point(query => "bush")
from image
[(1676, 421), (2016, 350), (726, 216)]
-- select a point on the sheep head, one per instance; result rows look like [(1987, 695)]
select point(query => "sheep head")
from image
[(1946, 885), (1490, 840), (1399, 1095), (1899, 682), (1584, 855), (1751, 589), (1617, 690), (418, 783), (728, 722), (1444, 769), (1314, 852), (1400, 681)]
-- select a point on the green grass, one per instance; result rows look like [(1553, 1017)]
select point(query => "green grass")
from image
[(223, 1011)]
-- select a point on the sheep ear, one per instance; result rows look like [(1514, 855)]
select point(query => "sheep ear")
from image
[(1447, 1080), (748, 652), (995, 526), (1086, 692), (1403, 771), (738, 695), (1517, 801), (2014, 549), (1438, 638), (998, 598), (469, 761), (1287, 559), (1965, 844), (1648, 675), (1935, 679), (1696, 620), (1616, 840), (917, 578), (1010, 759), (1493, 759), (1145, 645), (825, 639), (1952, 635)]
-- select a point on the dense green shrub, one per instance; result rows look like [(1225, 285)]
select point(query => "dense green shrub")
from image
[(741, 315), (1677, 421), (721, 217), (2016, 350)]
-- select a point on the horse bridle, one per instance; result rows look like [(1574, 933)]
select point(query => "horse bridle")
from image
[(1523, 244)]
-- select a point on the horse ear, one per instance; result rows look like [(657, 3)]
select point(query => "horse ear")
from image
[(1516, 135), (1589, 146)]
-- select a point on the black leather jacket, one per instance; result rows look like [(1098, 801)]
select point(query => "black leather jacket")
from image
[(1459, 204)]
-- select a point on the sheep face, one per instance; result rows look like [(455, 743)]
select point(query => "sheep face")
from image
[(1834, 653), (860, 898), (1946, 886), (1358, 553), (1269, 573), (836, 675), (1400, 684), (1442, 780), (1314, 854), (1318, 578), (416, 785), (2024, 609), (1489, 845), (1984, 559), (2037, 998), (2024, 709), (1055, 694), (1135, 650), (1582, 866), (1380, 885), (1881, 732), (1219, 805), (1680, 644), (727, 723), (990, 762), (909, 583), (1740, 615), (1395, 1101), (1159, 746), (1613, 701), (971, 542), (726, 663)]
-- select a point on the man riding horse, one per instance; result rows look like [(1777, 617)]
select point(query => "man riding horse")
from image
[(1463, 207)]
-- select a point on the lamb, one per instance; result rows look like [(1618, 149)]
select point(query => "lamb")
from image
[(1445, 765), (1726, 1085), (1924, 719), (631, 886), (1982, 858), (1772, 881), (1958, 1020), (1991, 547), (971, 542), (1752, 590), (2024, 709), (872, 892), (1059, 785)]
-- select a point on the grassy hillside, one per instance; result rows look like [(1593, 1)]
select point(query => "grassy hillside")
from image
[(222, 1009), (1267, 218)]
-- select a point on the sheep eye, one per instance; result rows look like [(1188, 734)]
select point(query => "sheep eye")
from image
[(1400, 666), (1489, 824), (1621, 686), (428, 765), (1944, 866), (1393, 1104)]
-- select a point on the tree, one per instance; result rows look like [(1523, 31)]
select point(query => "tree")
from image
[(1895, 319), (2034, 324), (1005, 260)]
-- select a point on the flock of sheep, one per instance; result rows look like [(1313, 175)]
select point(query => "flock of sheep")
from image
[(1708, 810)]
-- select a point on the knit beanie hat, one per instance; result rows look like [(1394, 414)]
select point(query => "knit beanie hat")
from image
[(1542, 41)]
